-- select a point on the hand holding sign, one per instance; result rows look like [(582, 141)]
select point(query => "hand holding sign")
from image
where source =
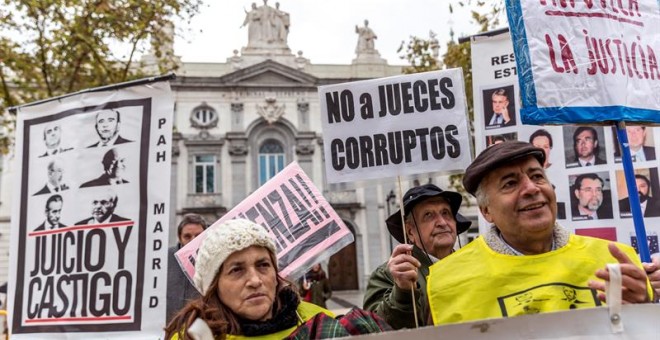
[(634, 280)]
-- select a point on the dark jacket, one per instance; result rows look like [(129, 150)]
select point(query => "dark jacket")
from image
[(113, 218), (179, 289), (119, 140), (393, 304), (319, 288), (104, 179), (42, 226)]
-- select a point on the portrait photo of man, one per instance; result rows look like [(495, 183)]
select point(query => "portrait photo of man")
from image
[(103, 209), (113, 170), (640, 139), (52, 140), (591, 200), (54, 183), (496, 139), (107, 127), (53, 213), (650, 204), (499, 109), (586, 147), (542, 139)]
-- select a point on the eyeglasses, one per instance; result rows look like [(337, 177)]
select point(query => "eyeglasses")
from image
[(592, 190)]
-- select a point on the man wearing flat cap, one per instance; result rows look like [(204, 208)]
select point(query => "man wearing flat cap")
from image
[(526, 261), (432, 223)]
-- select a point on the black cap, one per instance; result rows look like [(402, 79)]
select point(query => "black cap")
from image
[(495, 156), (416, 195)]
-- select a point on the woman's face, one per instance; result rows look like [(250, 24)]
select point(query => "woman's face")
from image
[(247, 283)]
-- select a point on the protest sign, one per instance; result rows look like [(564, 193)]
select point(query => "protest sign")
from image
[(90, 223), (587, 61), (395, 126), (305, 228), (494, 69)]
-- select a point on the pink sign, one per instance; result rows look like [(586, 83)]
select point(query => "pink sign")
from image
[(304, 226)]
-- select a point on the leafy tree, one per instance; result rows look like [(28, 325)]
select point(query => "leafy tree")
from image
[(418, 53), (53, 47)]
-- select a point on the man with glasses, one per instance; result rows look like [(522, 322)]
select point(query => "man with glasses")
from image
[(103, 209), (588, 190), (586, 148)]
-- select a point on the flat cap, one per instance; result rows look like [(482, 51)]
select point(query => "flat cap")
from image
[(495, 156)]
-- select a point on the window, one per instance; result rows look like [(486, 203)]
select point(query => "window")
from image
[(204, 116), (205, 174), (271, 160)]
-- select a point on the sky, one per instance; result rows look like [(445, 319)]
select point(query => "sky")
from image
[(323, 30)]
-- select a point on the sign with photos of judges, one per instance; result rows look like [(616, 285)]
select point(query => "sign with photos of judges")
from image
[(90, 228), (395, 126), (582, 162), (587, 62)]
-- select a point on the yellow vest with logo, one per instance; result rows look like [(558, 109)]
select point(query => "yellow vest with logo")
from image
[(306, 311), (478, 283)]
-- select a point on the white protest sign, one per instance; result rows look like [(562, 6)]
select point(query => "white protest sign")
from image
[(395, 126), (91, 215), (587, 61), (304, 226)]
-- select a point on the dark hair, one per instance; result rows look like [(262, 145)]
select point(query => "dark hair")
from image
[(640, 176), (190, 219), (220, 318), (542, 133), (578, 131), (591, 175), (54, 198)]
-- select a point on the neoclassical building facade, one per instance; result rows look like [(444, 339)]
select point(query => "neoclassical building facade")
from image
[(238, 122)]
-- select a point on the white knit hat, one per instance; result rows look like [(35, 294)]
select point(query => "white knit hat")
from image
[(224, 240)]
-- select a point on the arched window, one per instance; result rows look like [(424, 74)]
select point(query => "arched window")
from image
[(271, 160)]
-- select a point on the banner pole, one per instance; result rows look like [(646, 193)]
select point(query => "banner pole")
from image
[(633, 196), (405, 240)]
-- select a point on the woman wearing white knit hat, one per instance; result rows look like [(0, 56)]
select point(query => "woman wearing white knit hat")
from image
[(243, 295)]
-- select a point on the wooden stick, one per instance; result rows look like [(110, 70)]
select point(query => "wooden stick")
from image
[(405, 240)]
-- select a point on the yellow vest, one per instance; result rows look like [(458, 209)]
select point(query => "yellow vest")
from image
[(306, 311), (477, 283)]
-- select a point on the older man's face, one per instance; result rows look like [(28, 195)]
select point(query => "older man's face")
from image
[(107, 124), (103, 207), (436, 225), (53, 212), (521, 202), (590, 194), (52, 136), (55, 174), (500, 103)]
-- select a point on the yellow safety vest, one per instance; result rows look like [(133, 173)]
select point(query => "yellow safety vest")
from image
[(306, 311), (477, 283)]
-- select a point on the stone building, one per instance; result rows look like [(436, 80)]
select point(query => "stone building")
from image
[(238, 122)]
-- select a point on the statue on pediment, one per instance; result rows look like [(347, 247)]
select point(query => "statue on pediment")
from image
[(366, 39), (267, 26)]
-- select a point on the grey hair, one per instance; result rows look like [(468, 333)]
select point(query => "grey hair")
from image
[(480, 194)]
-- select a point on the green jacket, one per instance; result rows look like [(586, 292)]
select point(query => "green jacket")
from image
[(393, 304)]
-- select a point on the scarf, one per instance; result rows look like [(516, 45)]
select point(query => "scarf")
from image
[(286, 317)]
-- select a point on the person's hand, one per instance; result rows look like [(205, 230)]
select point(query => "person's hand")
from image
[(633, 279), (505, 115), (403, 267), (653, 271)]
